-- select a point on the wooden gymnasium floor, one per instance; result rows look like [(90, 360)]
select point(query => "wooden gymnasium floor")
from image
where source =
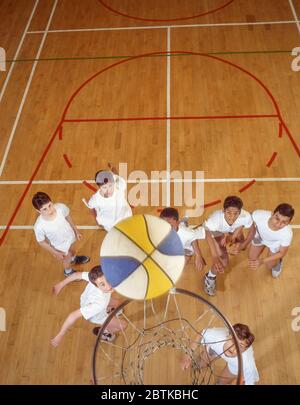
[(214, 64)]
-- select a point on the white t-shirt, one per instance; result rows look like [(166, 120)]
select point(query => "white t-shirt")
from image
[(218, 337), (217, 222), (93, 302), (57, 231), (188, 235), (111, 210), (265, 236)]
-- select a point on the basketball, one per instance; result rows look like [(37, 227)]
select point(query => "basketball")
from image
[(142, 257)]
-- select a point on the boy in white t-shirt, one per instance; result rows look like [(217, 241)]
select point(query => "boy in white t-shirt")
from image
[(95, 305), (188, 236), (55, 231), (225, 227), (109, 202), (219, 343), (274, 232)]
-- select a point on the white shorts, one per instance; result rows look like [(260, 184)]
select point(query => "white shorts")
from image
[(65, 247), (218, 234), (258, 241)]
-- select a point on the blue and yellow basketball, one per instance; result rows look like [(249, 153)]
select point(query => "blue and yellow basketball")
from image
[(142, 257)]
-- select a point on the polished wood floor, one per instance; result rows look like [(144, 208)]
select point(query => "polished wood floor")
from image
[(233, 106)]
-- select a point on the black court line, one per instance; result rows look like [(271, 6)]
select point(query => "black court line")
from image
[(83, 58)]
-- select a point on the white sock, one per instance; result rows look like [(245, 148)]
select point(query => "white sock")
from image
[(73, 258), (211, 275), (67, 271)]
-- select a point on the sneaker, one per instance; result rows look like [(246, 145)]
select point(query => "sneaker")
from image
[(80, 260), (277, 269), (106, 336), (184, 221), (210, 285), (188, 252), (67, 274)]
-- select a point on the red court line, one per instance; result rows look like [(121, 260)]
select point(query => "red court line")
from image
[(287, 131), (41, 160), (280, 130), (197, 117), (69, 164), (247, 186), (60, 133), (171, 19), (212, 203), (275, 104), (272, 159), (88, 185)]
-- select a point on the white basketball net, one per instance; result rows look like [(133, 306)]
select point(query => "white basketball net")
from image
[(159, 334)]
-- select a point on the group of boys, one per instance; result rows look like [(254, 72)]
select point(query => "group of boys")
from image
[(223, 231)]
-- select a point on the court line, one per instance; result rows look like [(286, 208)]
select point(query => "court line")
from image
[(61, 122), (86, 227), (153, 27), (248, 185), (87, 58), (195, 117), (122, 14), (149, 181), (18, 50), (295, 14), (26, 91), (168, 122)]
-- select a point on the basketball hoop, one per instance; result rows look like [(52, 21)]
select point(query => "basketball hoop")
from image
[(159, 333)]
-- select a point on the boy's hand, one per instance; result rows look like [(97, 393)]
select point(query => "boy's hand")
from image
[(59, 255), (223, 241), (217, 265), (199, 262), (57, 288), (56, 340), (234, 249), (254, 264), (112, 168), (185, 362)]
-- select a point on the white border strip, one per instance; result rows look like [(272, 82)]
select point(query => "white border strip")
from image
[(26, 91), (155, 27), (295, 14), (234, 180), (168, 121), (18, 51)]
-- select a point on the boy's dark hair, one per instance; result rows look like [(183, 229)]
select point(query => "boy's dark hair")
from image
[(233, 201), (170, 212), (103, 177), (243, 333), (285, 210), (95, 273), (39, 199)]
